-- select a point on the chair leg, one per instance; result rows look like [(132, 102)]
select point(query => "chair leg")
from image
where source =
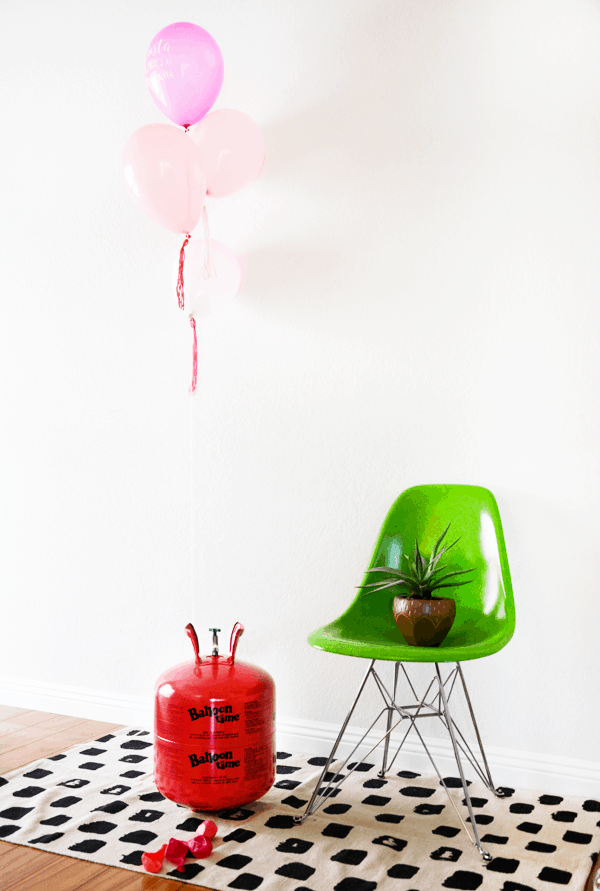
[(311, 804), (390, 714), (442, 711), (499, 793), (487, 857)]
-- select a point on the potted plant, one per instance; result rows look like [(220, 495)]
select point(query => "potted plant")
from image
[(423, 619)]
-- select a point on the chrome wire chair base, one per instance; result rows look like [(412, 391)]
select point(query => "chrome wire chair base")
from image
[(435, 703)]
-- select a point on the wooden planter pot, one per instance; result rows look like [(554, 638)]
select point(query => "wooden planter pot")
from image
[(424, 623)]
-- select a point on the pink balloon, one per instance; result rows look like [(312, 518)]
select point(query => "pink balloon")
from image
[(184, 72), (205, 295), (163, 173), (233, 149)]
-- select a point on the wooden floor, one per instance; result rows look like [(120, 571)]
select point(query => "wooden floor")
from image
[(26, 736)]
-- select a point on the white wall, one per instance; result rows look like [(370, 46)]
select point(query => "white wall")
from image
[(421, 305)]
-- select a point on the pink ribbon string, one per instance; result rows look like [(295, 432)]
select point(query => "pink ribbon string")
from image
[(192, 389), (180, 294)]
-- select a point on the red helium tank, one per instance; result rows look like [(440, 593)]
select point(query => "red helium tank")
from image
[(214, 730)]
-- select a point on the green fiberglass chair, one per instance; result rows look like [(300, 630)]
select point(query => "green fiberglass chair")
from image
[(484, 623)]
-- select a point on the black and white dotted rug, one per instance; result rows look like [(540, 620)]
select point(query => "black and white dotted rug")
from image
[(98, 802)]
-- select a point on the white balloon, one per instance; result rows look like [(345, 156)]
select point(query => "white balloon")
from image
[(210, 282)]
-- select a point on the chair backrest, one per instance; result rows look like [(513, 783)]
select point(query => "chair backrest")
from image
[(421, 513)]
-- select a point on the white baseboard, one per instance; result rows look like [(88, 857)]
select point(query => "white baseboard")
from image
[(509, 767), (77, 702)]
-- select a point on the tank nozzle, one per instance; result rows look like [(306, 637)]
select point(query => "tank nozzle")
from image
[(215, 641), (191, 633)]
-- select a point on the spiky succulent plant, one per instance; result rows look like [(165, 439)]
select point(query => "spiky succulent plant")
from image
[(422, 575)]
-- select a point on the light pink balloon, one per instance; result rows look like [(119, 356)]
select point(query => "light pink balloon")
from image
[(184, 72), (205, 295), (233, 149), (163, 173)]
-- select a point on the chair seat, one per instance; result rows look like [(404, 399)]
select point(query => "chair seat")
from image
[(380, 638), (376, 645), (485, 613)]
